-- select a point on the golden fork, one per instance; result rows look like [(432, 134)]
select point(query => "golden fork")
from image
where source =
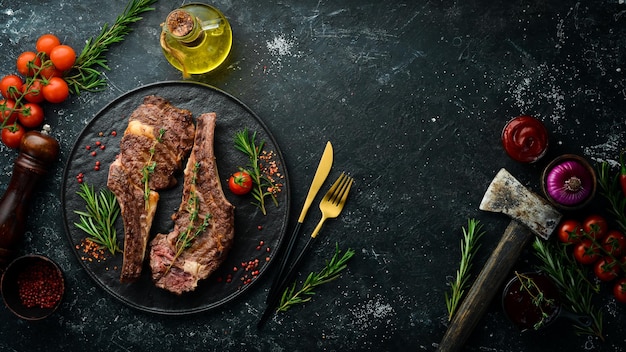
[(331, 205), (334, 200)]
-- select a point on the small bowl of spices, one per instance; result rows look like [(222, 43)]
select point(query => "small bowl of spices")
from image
[(32, 287)]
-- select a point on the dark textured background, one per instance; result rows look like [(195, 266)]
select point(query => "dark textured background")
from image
[(413, 96)]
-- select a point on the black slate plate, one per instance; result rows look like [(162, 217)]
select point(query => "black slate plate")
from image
[(251, 227)]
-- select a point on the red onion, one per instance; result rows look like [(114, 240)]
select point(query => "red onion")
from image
[(569, 182)]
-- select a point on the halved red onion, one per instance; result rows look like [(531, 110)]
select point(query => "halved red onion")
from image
[(569, 183)]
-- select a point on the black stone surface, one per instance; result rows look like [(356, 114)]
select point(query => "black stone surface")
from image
[(413, 96)]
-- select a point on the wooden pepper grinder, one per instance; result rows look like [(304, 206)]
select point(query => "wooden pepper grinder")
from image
[(38, 152)]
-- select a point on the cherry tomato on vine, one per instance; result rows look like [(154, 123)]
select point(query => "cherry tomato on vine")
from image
[(63, 57), (240, 183), (56, 91), (31, 115), (12, 135), (8, 113), (606, 269), (570, 231), (11, 86), (619, 290), (586, 252), (33, 91), (596, 226), (49, 71), (25, 63), (615, 243), (46, 42)]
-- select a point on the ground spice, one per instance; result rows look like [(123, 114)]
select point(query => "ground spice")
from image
[(40, 285)]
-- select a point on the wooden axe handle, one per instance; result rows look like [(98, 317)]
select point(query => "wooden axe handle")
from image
[(491, 277)]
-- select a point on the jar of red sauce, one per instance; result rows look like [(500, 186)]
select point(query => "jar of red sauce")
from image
[(525, 139)]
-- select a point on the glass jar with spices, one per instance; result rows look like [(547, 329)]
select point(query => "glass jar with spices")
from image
[(196, 38)]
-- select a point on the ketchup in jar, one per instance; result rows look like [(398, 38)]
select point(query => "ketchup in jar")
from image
[(525, 139)]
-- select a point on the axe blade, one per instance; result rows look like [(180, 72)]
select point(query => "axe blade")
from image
[(507, 195)]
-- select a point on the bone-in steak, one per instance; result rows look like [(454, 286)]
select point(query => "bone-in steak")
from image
[(157, 138), (204, 224)]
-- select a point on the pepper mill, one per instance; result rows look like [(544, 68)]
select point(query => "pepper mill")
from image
[(38, 152)]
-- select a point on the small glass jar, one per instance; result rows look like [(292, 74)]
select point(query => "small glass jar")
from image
[(196, 38)]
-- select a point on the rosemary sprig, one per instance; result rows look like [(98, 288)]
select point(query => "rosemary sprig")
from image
[(330, 272), (99, 219), (185, 238), (572, 282), (263, 185), (469, 246), (85, 75), (610, 189)]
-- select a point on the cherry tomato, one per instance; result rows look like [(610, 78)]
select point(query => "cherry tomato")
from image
[(33, 91), (8, 113), (63, 57), (26, 63), (240, 183), (46, 42), (619, 290), (570, 231), (586, 252), (11, 86), (12, 135), (596, 226), (606, 269), (56, 91), (31, 115), (49, 71), (615, 243)]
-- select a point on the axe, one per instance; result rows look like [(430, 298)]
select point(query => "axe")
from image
[(530, 215)]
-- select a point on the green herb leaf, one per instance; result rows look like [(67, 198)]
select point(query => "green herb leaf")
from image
[(246, 143), (84, 76), (330, 272), (469, 246), (99, 219)]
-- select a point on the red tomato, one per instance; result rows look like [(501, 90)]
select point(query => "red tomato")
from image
[(8, 113), (11, 86), (33, 92), (27, 63), (240, 183), (49, 71), (46, 42), (586, 252), (570, 231), (606, 269), (615, 243), (31, 115), (596, 226), (12, 135), (63, 57), (619, 290), (56, 91)]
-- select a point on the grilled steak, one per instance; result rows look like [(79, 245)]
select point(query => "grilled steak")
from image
[(204, 224), (157, 138)]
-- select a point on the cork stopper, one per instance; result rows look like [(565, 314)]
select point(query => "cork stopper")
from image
[(180, 23)]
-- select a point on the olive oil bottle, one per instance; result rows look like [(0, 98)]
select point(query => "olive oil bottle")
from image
[(196, 38)]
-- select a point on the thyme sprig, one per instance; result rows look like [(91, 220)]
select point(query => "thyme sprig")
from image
[(572, 282), (538, 298), (263, 185), (99, 219), (149, 167), (469, 246), (610, 189), (85, 74), (185, 238), (330, 272)]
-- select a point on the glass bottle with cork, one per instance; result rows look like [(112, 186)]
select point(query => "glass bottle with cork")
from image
[(196, 38)]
